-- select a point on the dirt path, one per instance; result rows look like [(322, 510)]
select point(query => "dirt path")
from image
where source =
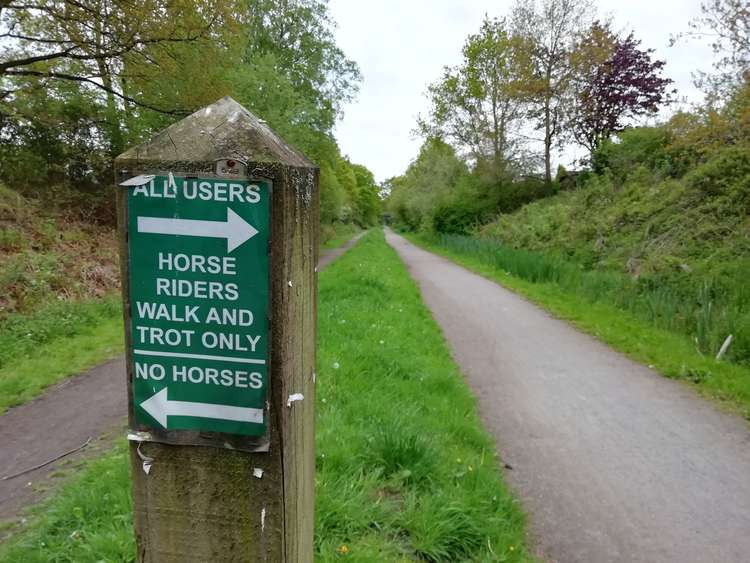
[(90, 405), (612, 461)]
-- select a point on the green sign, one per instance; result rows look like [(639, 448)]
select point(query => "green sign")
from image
[(199, 294)]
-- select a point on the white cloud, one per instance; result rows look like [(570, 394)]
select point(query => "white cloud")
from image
[(401, 47)]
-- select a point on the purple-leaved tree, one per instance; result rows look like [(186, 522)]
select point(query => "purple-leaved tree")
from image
[(615, 83)]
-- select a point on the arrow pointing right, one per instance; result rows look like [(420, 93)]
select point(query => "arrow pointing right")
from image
[(160, 408), (235, 229)]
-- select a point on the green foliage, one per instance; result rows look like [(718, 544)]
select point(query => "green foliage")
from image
[(333, 235), (404, 469), (332, 195), (638, 146), (438, 192), (667, 251), (458, 215), (58, 137), (427, 182), (727, 173), (47, 256), (21, 335), (477, 104)]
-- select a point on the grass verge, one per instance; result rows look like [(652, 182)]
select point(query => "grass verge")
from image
[(673, 355), (404, 470), (39, 349)]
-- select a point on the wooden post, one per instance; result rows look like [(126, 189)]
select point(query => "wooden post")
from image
[(201, 491)]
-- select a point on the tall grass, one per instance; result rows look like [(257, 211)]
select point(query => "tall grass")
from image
[(707, 310)]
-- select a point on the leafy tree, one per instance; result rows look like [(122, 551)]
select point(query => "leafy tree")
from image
[(428, 180), (367, 198), (293, 73), (81, 79), (91, 42), (476, 104), (614, 82), (552, 28)]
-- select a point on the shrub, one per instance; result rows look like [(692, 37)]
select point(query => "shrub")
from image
[(646, 146), (514, 195), (458, 216), (727, 173)]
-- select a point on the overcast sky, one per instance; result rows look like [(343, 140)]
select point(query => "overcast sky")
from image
[(402, 45)]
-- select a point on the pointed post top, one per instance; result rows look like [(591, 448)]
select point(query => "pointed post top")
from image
[(225, 129)]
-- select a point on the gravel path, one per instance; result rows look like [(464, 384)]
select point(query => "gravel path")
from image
[(611, 461)]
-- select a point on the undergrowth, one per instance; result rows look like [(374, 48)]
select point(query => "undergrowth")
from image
[(62, 339), (48, 255), (336, 234), (664, 250)]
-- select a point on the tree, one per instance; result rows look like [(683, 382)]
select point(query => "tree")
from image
[(726, 23), (614, 82), (294, 75), (87, 41), (428, 180), (292, 71), (367, 198), (80, 79), (476, 104), (552, 28)]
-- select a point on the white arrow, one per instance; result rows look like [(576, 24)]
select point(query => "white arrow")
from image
[(235, 229), (160, 407)]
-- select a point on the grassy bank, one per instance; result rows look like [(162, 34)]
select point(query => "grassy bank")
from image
[(610, 306), (404, 470), (40, 348), (665, 250)]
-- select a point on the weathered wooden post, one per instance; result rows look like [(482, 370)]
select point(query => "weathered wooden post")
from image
[(218, 240)]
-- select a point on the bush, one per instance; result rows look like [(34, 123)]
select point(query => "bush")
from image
[(639, 146), (727, 173), (514, 195), (473, 204), (458, 216)]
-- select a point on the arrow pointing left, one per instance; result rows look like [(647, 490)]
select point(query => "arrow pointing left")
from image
[(235, 229), (160, 408)]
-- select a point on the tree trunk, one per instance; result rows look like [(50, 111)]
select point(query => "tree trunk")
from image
[(547, 142)]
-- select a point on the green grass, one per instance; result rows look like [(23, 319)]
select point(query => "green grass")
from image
[(404, 470), (39, 349), (606, 306), (89, 520)]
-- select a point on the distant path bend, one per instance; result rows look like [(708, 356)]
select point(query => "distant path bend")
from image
[(612, 461), (62, 418)]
